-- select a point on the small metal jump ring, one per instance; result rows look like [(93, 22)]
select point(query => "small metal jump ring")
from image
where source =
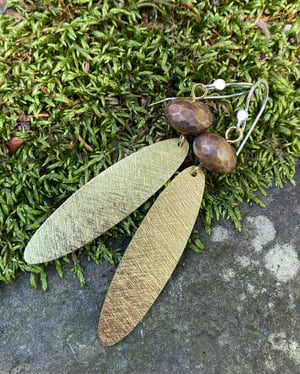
[(196, 85), (181, 141), (238, 130)]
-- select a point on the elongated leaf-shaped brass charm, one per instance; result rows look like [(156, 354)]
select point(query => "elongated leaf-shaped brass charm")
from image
[(151, 256), (106, 200)]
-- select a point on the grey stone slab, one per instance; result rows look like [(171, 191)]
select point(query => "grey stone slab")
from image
[(232, 309)]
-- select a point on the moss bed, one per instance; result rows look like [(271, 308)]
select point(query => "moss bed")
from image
[(76, 81)]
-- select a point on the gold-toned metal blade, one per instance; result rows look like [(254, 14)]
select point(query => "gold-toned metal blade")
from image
[(151, 256), (105, 200)]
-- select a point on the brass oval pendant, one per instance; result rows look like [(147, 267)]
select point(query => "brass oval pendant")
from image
[(151, 256), (105, 200)]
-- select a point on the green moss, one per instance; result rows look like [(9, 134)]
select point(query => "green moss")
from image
[(81, 74)]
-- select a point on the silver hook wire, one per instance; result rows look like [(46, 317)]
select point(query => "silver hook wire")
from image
[(163, 100), (261, 82), (220, 85), (217, 85)]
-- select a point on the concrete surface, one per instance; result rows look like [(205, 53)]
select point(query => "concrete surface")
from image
[(232, 309)]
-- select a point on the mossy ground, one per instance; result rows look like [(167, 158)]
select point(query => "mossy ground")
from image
[(76, 79)]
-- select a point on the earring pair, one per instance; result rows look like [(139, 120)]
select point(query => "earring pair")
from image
[(158, 243), (115, 193)]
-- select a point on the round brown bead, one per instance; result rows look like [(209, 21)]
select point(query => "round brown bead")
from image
[(188, 117), (214, 153)]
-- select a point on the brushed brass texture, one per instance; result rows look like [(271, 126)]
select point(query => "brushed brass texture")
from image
[(106, 200), (151, 256)]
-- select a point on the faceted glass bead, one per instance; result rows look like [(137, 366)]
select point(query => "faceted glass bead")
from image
[(214, 153), (188, 117)]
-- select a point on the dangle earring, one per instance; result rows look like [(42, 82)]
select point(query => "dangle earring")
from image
[(118, 191), (158, 243)]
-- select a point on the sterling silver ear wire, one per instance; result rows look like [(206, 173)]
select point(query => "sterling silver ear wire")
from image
[(242, 115), (217, 85)]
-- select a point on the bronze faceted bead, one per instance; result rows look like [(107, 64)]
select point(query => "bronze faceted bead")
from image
[(214, 153), (188, 117)]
